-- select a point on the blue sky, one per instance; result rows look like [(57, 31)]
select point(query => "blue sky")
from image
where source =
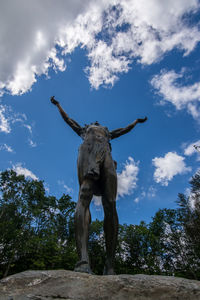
[(111, 61)]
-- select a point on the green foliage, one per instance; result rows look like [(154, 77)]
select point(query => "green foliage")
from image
[(97, 247), (168, 245), (189, 216), (37, 232)]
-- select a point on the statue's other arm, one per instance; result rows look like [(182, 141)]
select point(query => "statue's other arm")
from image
[(73, 124), (120, 131)]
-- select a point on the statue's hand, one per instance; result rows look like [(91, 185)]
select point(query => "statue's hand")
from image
[(54, 101), (142, 120)]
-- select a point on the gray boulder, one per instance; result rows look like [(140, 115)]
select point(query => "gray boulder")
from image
[(68, 285)]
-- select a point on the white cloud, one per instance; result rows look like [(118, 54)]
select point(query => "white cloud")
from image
[(8, 120), (127, 179), (151, 192), (28, 127), (65, 187), (47, 188), (191, 198), (4, 121), (136, 200), (23, 171), (97, 200), (6, 148), (168, 166), (146, 38), (190, 149), (104, 65), (180, 95), (123, 31), (28, 49), (32, 144)]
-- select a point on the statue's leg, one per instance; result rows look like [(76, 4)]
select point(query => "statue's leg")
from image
[(110, 216), (82, 221)]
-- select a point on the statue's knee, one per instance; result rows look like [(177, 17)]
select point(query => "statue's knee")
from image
[(85, 193)]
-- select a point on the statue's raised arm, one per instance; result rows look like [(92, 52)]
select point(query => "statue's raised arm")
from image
[(120, 131), (73, 124)]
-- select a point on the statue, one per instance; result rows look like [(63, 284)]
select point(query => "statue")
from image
[(97, 176)]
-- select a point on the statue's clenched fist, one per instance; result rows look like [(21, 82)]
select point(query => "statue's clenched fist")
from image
[(54, 101)]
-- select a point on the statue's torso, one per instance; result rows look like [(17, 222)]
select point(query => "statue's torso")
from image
[(96, 134), (95, 160)]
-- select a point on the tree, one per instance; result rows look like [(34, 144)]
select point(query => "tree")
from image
[(36, 230), (97, 247), (189, 216)]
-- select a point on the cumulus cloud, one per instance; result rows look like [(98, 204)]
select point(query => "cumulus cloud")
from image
[(191, 148), (180, 95), (127, 179), (28, 36), (169, 166), (113, 32), (23, 171)]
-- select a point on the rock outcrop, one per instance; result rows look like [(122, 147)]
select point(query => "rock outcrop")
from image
[(68, 285)]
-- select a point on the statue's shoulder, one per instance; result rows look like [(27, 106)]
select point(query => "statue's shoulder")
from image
[(87, 129)]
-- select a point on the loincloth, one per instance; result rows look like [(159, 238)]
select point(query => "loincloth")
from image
[(90, 159)]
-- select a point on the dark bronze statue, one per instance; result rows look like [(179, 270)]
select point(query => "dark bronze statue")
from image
[(97, 176)]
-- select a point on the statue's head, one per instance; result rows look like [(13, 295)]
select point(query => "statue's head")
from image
[(96, 123), (91, 124)]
